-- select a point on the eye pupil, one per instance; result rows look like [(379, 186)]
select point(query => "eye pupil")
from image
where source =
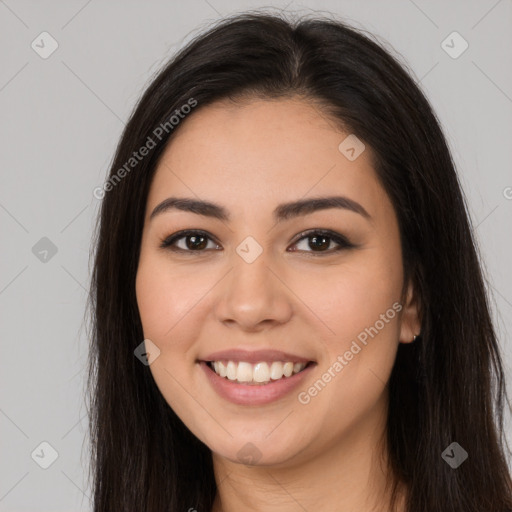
[(324, 244), (194, 244)]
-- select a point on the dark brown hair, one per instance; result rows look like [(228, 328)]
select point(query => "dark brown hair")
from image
[(446, 386)]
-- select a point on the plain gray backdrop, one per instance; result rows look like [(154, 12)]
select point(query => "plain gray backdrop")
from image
[(62, 114)]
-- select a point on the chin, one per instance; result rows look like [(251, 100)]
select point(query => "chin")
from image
[(251, 451)]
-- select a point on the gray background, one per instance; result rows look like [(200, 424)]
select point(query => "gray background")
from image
[(61, 119)]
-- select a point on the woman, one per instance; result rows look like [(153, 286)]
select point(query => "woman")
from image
[(288, 307)]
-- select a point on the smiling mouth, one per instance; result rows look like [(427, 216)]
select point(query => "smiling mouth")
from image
[(262, 373)]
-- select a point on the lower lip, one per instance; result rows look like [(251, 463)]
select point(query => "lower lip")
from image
[(243, 394)]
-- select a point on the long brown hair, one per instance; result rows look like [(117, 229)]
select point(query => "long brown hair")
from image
[(448, 386)]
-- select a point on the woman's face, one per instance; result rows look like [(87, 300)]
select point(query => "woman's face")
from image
[(262, 293)]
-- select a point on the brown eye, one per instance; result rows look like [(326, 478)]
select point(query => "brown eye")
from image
[(319, 241), (193, 241)]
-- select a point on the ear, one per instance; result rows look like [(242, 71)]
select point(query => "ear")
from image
[(410, 321)]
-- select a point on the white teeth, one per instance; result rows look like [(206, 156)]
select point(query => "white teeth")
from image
[(260, 373), (231, 370), (288, 369), (276, 370), (244, 372), (222, 370)]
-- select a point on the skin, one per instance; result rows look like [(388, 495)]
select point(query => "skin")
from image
[(328, 454)]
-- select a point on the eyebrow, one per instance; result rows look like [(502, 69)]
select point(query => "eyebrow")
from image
[(282, 212)]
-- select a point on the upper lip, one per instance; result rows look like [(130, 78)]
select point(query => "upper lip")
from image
[(255, 356)]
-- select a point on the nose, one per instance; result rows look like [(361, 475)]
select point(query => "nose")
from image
[(253, 296)]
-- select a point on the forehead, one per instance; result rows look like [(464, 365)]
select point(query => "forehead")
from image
[(263, 152)]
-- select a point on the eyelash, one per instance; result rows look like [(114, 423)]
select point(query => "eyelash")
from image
[(343, 243)]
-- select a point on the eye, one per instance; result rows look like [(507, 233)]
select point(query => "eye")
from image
[(320, 241), (194, 241)]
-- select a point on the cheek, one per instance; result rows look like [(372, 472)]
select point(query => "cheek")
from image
[(361, 307), (160, 299), (166, 306), (170, 302), (154, 300), (357, 295)]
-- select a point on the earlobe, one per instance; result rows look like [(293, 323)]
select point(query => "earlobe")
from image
[(410, 322)]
